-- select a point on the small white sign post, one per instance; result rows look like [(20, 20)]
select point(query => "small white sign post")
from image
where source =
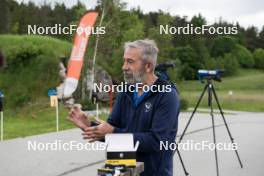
[(2, 116), (2, 126), (57, 115), (54, 103)]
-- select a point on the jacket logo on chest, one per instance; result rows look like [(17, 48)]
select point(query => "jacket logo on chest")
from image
[(148, 106)]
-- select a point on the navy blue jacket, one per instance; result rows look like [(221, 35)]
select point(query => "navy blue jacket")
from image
[(155, 119)]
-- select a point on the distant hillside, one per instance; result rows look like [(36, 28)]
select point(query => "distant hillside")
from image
[(31, 67)]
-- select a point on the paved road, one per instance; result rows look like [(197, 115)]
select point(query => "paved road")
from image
[(246, 128)]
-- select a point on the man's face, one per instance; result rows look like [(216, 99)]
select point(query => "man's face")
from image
[(133, 67)]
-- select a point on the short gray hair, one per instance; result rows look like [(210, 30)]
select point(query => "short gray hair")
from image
[(149, 50)]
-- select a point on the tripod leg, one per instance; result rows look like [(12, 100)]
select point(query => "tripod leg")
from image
[(229, 133), (188, 123), (214, 136), (185, 129), (183, 166)]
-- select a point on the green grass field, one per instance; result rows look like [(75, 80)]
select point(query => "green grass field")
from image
[(34, 119), (247, 89)]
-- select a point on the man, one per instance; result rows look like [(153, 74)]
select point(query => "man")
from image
[(152, 116)]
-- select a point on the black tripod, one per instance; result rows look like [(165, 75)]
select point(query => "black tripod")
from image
[(211, 92)]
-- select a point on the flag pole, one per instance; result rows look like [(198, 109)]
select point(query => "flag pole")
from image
[(57, 116), (2, 126)]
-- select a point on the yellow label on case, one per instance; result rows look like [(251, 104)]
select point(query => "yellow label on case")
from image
[(127, 162)]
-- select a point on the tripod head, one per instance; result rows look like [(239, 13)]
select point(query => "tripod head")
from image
[(210, 75), (162, 68)]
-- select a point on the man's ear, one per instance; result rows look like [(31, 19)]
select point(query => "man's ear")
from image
[(149, 67)]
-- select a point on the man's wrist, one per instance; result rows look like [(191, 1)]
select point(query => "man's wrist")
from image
[(87, 122), (112, 128)]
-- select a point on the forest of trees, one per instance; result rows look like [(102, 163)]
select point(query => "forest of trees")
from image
[(188, 52)]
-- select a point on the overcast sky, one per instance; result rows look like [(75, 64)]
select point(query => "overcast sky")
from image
[(246, 12)]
